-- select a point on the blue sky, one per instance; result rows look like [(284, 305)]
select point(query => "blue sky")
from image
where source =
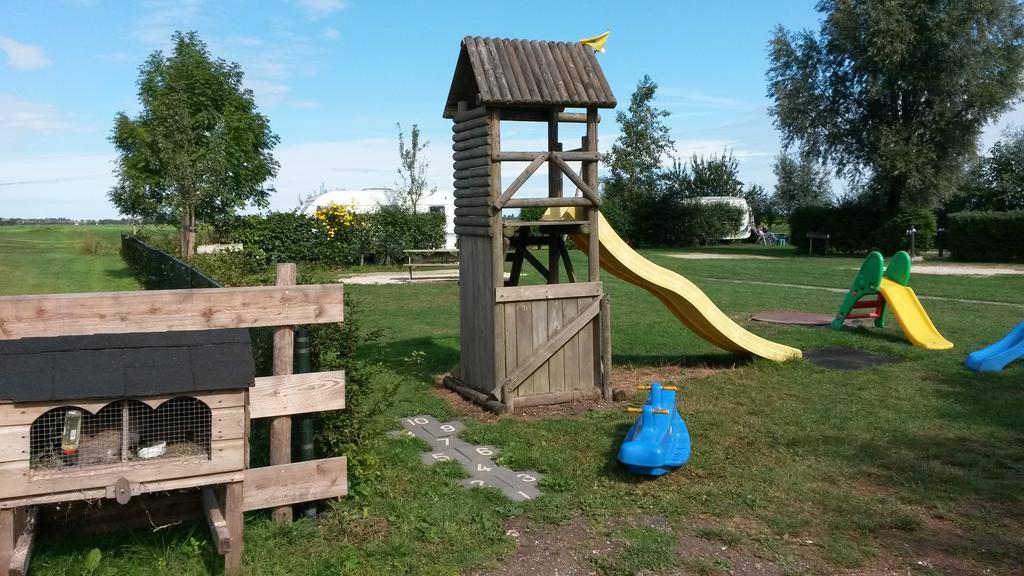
[(334, 76)]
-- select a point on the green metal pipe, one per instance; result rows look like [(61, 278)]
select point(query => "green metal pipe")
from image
[(306, 452)]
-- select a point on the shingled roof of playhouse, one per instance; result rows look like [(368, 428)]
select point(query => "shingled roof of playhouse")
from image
[(527, 73), (119, 365)]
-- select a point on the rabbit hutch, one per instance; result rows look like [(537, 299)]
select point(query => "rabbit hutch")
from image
[(525, 343), (115, 395)]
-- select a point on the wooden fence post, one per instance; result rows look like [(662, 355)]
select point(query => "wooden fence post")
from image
[(281, 426), (233, 508), (606, 347)]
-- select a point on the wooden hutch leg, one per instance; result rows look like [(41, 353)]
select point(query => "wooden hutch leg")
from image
[(236, 526), (7, 536)]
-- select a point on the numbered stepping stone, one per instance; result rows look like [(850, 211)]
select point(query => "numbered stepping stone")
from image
[(510, 492), (483, 454), (445, 446), (522, 480), (425, 427), (429, 458), (448, 442)]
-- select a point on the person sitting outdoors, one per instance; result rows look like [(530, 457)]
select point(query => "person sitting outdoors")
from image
[(764, 233)]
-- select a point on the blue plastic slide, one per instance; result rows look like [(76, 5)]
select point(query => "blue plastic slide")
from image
[(658, 441), (997, 356)]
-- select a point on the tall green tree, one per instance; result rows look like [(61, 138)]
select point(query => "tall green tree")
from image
[(996, 180), (895, 92), (716, 175), (199, 148), (762, 205), (412, 185), (800, 181), (635, 159)]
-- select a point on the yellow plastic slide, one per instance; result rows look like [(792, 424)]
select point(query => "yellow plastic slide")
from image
[(914, 321), (687, 302)]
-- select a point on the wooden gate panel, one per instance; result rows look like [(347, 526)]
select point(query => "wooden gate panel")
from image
[(587, 340), (541, 381), (571, 351), (529, 329), (523, 336), (556, 365)]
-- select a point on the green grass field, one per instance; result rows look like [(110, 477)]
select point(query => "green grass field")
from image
[(909, 468), (59, 258)]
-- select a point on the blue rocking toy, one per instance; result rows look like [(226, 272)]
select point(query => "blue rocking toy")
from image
[(658, 442)]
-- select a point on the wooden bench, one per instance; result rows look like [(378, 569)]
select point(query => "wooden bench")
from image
[(812, 236), (432, 258)]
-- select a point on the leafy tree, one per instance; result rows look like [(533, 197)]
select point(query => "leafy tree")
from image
[(1003, 172), (635, 159), (762, 205), (199, 148), (675, 180), (715, 176), (897, 91), (412, 169), (800, 182)]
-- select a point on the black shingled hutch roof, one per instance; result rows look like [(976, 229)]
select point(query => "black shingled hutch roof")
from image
[(527, 74), (124, 365)]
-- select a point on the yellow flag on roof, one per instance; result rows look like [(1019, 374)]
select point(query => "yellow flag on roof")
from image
[(596, 42)]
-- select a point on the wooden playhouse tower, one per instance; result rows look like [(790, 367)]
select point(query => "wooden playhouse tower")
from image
[(534, 344)]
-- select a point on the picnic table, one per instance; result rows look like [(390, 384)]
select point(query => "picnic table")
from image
[(432, 258)]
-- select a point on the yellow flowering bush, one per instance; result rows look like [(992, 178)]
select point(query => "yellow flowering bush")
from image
[(334, 219)]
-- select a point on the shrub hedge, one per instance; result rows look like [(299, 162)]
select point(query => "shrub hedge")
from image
[(669, 221), (987, 236), (375, 237), (856, 229)]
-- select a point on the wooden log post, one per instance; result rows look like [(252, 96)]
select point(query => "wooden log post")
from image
[(233, 515), (554, 191), (498, 245), (602, 352), (590, 178), (215, 521), (281, 426)]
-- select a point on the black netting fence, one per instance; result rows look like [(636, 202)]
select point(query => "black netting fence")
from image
[(158, 270)]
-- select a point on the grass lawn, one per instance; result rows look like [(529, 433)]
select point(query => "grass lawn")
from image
[(62, 258), (908, 468)]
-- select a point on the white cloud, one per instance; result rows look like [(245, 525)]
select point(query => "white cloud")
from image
[(269, 94), (686, 148), (672, 96), (19, 115), (271, 64), (331, 33), (116, 57), (317, 9), (23, 56), (163, 17), (70, 185)]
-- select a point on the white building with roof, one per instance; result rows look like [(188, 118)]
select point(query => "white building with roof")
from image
[(369, 199)]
